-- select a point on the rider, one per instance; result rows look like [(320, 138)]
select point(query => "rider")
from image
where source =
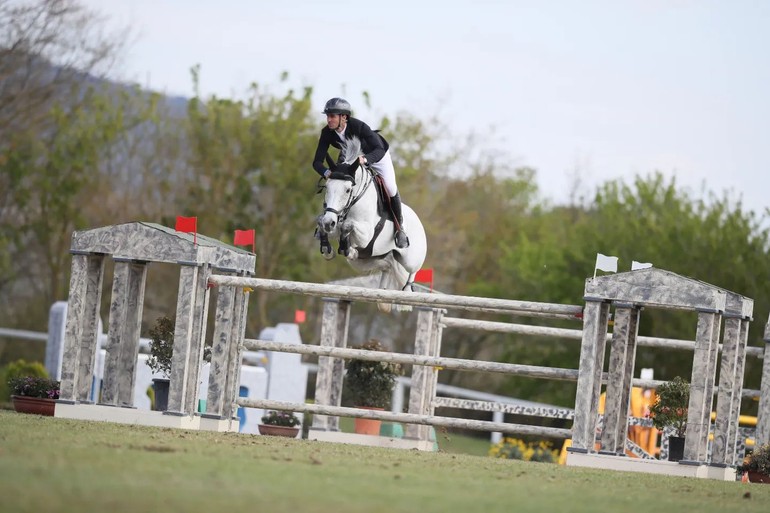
[(341, 126)]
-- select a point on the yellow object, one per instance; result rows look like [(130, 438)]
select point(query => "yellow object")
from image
[(563, 453), (644, 437), (647, 437), (743, 420)]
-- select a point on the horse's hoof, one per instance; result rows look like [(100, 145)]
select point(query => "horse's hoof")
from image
[(384, 307), (327, 253)]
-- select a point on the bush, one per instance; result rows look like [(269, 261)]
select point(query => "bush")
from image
[(510, 449), (757, 461), (161, 346), (371, 383), (670, 409), (17, 369), (515, 449), (543, 453)]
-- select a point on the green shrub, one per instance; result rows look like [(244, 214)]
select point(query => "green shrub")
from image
[(18, 369), (670, 409), (371, 383), (543, 453), (757, 461), (510, 449), (515, 449), (161, 346)]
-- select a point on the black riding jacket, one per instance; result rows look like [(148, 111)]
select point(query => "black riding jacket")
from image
[(373, 144)]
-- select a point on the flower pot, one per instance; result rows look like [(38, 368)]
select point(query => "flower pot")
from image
[(675, 448), (35, 405), (368, 426), (160, 387), (758, 477), (287, 431)]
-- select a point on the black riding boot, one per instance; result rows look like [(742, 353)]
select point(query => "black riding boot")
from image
[(402, 241)]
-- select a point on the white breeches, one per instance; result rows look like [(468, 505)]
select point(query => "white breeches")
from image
[(384, 168)]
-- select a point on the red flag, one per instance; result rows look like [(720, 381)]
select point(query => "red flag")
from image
[(299, 316), (245, 237), (424, 276), (188, 225)]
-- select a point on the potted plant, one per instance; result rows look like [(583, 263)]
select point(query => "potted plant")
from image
[(279, 423), (757, 465), (371, 386), (34, 394), (670, 411), (161, 351)]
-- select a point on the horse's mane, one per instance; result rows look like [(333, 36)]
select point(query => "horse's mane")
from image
[(351, 150)]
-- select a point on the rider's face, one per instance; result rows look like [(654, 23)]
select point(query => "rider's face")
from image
[(335, 121)]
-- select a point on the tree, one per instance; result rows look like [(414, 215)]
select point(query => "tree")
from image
[(650, 220)]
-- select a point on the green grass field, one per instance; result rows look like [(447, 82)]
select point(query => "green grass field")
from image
[(52, 465)]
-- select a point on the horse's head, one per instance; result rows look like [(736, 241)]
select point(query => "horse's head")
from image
[(340, 186)]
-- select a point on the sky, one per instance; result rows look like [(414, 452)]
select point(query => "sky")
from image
[(585, 90)]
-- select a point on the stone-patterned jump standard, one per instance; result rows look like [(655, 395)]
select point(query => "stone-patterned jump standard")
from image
[(133, 246), (629, 293)]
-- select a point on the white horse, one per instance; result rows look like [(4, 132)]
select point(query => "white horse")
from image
[(352, 214)]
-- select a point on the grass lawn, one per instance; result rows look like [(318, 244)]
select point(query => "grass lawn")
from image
[(51, 465)]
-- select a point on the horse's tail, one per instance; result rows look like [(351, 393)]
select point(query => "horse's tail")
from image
[(394, 277)]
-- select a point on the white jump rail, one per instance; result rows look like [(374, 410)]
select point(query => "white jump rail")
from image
[(532, 371), (572, 334), (405, 298)]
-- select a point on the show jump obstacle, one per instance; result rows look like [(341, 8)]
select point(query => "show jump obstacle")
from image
[(132, 247), (210, 262)]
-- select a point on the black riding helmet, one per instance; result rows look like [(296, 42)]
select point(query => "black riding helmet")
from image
[(337, 106)]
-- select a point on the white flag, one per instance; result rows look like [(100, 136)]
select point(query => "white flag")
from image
[(640, 265), (606, 263)]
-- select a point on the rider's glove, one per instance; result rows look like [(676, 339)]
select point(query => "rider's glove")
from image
[(327, 173)]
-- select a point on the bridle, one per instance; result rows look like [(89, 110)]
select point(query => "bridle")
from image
[(353, 195)]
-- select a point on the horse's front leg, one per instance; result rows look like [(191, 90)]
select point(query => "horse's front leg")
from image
[(345, 247)]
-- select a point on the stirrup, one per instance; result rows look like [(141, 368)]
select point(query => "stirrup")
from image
[(402, 241)]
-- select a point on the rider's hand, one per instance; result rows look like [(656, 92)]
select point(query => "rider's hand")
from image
[(362, 160), (327, 173)]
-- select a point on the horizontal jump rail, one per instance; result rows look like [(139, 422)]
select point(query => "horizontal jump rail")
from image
[(546, 331), (397, 296), (513, 409), (532, 371), (516, 409), (407, 418)]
